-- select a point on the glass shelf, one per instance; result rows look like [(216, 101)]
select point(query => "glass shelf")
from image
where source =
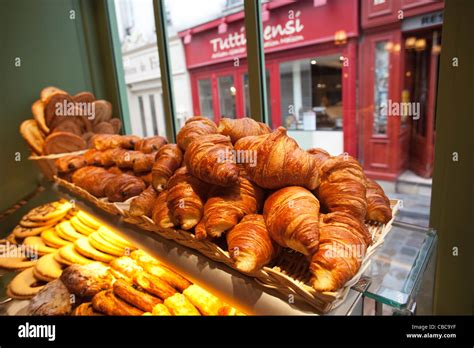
[(398, 266)]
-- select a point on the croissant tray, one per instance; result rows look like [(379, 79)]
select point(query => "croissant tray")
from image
[(288, 273)]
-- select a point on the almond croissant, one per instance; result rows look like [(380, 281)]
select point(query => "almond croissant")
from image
[(211, 159), (227, 205), (292, 218), (242, 127), (378, 205), (250, 245), (279, 161), (342, 245), (342, 186), (194, 127), (186, 197), (167, 160)]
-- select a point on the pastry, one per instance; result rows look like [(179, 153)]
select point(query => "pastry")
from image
[(195, 127), (62, 142), (207, 303), (93, 157), (126, 266), (137, 298), (153, 285), (80, 227), (37, 109), (109, 141), (68, 126), (69, 255), (115, 239), (103, 128), (53, 103), (144, 163), (98, 242), (67, 232), (53, 299), (50, 211), (343, 242), (16, 263), (85, 309), (38, 246), (87, 280), (242, 127), (146, 177), (93, 179), (47, 268), (160, 309), (320, 156), (275, 160), (211, 159), (27, 223), (122, 187), (52, 239), (32, 134), (249, 244), (103, 111), (24, 285), (83, 246), (151, 144), (178, 304), (186, 197), (117, 124), (292, 218), (167, 160), (172, 278), (378, 205), (87, 220), (227, 205), (70, 163), (109, 304), (23, 232), (83, 97), (143, 204), (160, 213), (126, 159), (47, 92)]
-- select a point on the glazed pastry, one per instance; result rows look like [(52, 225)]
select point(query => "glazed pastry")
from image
[(178, 304), (292, 218), (144, 163), (227, 205), (275, 160), (342, 186), (63, 142), (109, 141), (378, 205), (126, 266), (343, 242), (144, 203), (160, 213), (319, 155), (211, 159), (85, 309), (250, 245), (207, 303), (109, 304), (151, 144), (33, 135), (137, 298), (146, 177), (186, 198), (126, 159), (88, 280), (174, 279), (167, 160), (93, 157), (241, 127), (122, 187), (195, 127), (53, 299), (93, 179), (153, 285), (69, 163), (109, 157)]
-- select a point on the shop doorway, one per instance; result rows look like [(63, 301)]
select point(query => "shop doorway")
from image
[(422, 50)]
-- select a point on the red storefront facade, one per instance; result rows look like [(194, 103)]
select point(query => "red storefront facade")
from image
[(316, 54)]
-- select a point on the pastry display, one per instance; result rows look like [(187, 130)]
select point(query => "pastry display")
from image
[(242, 127), (194, 127)]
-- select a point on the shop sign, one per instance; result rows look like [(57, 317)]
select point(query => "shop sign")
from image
[(424, 21)]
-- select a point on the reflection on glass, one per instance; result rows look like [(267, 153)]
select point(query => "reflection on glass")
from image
[(227, 92), (247, 95), (311, 93), (381, 87), (205, 98)]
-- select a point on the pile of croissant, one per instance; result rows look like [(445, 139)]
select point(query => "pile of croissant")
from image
[(254, 189), (65, 123)]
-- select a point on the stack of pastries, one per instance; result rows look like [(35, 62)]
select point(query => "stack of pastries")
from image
[(256, 191)]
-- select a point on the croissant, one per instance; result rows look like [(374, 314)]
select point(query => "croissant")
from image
[(242, 127), (277, 162), (151, 144), (186, 195), (378, 205), (93, 157), (342, 186), (160, 213), (342, 245), (292, 218), (93, 179), (227, 205), (319, 155), (249, 244), (109, 157), (123, 187), (127, 158), (109, 141), (167, 160), (69, 163), (211, 159), (144, 163), (194, 127), (143, 204)]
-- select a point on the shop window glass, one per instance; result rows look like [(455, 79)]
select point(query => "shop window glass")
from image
[(247, 94), (311, 93), (382, 60), (205, 98), (227, 93), (142, 116), (153, 114)]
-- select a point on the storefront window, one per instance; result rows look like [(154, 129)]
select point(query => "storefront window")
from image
[(381, 87), (247, 94), (311, 94), (227, 92), (205, 98)]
